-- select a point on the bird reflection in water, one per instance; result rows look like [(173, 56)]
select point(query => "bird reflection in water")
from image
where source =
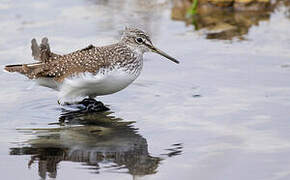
[(97, 139)]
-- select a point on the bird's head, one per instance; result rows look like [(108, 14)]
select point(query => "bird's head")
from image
[(140, 40)]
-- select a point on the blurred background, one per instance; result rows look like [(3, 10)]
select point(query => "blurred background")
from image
[(222, 113)]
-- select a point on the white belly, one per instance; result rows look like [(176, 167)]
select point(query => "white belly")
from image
[(87, 84)]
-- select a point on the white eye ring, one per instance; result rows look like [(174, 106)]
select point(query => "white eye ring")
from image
[(139, 40)]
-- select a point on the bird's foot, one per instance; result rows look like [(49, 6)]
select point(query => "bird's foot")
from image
[(87, 105), (91, 105)]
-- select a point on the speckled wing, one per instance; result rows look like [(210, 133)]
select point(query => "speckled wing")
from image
[(41, 53), (90, 59)]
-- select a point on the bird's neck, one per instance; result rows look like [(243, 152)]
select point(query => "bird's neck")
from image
[(132, 58)]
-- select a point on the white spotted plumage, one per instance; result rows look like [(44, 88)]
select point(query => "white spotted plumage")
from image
[(87, 84), (92, 71)]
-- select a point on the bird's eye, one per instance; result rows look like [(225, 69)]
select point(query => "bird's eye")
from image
[(139, 40)]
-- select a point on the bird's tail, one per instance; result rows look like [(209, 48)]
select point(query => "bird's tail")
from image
[(41, 53), (15, 68), (30, 70)]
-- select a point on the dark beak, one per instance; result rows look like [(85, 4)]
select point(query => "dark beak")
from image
[(158, 51)]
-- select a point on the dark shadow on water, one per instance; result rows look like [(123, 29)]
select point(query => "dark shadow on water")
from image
[(100, 141)]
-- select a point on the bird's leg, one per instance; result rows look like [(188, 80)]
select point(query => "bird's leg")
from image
[(59, 102), (88, 101), (92, 96), (87, 105), (97, 106), (91, 105)]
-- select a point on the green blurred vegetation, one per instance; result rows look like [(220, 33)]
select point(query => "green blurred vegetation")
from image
[(193, 8)]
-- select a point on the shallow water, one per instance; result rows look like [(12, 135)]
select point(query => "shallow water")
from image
[(222, 113)]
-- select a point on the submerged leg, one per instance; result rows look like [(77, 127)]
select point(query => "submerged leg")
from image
[(86, 105), (91, 105)]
